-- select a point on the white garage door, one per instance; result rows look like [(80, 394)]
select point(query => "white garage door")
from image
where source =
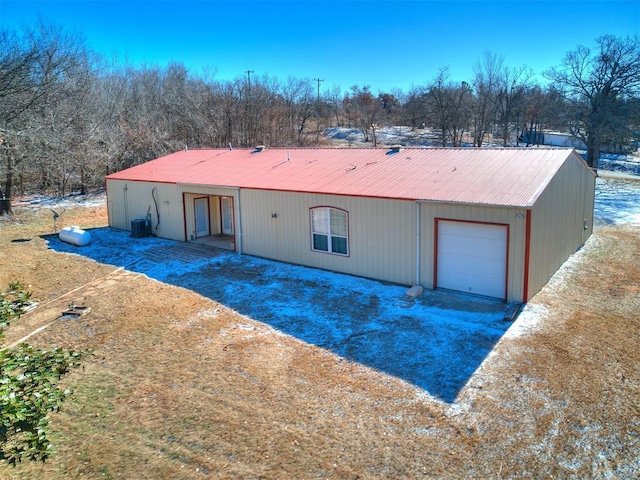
[(472, 258)]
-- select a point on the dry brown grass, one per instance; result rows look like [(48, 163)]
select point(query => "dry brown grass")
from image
[(182, 387)]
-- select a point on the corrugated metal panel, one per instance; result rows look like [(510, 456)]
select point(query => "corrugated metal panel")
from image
[(515, 218), (130, 200), (381, 233), (558, 221), (513, 177)]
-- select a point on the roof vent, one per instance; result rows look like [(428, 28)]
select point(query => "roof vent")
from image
[(260, 148), (394, 149)]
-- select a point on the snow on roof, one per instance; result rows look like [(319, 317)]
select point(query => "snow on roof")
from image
[(487, 176)]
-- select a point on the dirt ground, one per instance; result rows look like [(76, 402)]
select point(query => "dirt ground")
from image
[(182, 387)]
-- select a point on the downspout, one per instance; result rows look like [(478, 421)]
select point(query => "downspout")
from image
[(239, 225), (126, 207), (417, 243), (109, 203), (184, 216), (527, 256)]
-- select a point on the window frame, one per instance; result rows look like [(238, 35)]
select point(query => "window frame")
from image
[(329, 235)]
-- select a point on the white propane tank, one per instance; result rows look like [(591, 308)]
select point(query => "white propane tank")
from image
[(75, 235)]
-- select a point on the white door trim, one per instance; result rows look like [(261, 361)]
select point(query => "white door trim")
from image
[(226, 215), (201, 216)]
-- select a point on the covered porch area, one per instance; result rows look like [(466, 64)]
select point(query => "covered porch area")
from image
[(210, 220), (219, 240)]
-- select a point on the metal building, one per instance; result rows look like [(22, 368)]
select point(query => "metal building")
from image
[(492, 222)]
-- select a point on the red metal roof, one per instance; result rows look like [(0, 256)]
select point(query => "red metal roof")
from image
[(489, 176)]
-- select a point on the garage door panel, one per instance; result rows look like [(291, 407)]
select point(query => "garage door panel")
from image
[(473, 230), (457, 243), (473, 284), (468, 264), (476, 253), (489, 246), (472, 258), (485, 266)]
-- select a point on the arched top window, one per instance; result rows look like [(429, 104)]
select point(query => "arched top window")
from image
[(330, 230)]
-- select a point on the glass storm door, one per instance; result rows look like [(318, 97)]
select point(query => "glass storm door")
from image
[(202, 216), (227, 215)]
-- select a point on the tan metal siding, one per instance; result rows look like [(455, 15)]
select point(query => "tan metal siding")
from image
[(558, 219), (514, 218), (129, 200), (276, 225), (116, 205), (208, 190), (132, 200), (588, 199)]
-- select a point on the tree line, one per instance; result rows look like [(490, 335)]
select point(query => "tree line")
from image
[(69, 116)]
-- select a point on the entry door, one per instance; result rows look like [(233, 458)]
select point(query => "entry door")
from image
[(472, 258), (202, 216), (226, 205)]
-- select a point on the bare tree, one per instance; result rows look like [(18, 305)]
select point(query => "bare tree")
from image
[(486, 86), (301, 106), (510, 100), (534, 116), (38, 76), (598, 84), (390, 106), (363, 109), (333, 100), (449, 108), (414, 108), (439, 102)]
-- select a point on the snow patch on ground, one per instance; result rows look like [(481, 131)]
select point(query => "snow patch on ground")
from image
[(617, 202), (429, 345), (384, 136), (36, 202), (619, 163)]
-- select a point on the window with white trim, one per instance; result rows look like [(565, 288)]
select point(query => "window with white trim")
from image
[(329, 230)]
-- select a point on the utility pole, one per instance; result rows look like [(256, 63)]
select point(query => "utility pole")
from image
[(249, 72), (318, 80)]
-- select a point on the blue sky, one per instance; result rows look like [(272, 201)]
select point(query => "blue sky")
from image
[(384, 44)]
